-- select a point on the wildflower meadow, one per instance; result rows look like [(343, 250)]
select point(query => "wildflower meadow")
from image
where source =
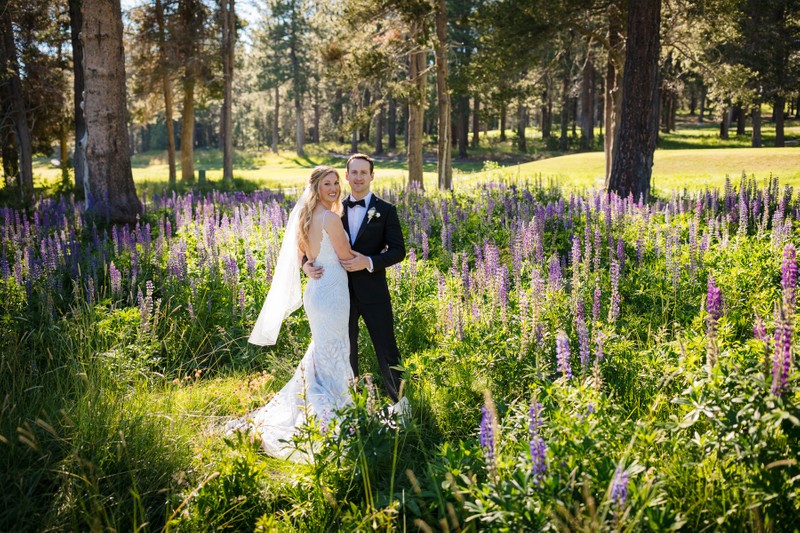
[(574, 361)]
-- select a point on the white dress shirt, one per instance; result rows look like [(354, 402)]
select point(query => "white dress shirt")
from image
[(355, 217)]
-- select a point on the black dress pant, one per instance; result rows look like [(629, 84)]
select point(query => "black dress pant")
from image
[(379, 320)]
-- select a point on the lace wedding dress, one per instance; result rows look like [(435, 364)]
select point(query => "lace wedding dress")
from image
[(320, 384)]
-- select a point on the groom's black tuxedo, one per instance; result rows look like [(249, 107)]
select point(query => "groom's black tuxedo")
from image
[(380, 238)]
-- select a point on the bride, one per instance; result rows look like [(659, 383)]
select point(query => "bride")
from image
[(320, 384)]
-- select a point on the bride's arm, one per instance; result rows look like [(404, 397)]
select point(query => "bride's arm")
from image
[(335, 229)]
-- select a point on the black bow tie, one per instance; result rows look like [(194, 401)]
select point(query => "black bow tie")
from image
[(351, 203)]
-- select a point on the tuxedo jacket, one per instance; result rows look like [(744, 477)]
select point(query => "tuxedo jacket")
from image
[(381, 239)]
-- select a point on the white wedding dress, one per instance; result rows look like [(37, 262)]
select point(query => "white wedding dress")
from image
[(320, 384)]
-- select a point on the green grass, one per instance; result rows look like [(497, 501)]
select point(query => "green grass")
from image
[(691, 168), (693, 156)]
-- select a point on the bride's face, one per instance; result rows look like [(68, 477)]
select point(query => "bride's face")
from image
[(329, 189)]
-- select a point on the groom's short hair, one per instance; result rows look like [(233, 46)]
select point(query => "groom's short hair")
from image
[(365, 157)]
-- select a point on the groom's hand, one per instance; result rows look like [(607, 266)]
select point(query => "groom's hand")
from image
[(359, 262), (312, 271)]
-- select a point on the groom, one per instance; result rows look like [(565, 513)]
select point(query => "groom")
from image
[(376, 239)]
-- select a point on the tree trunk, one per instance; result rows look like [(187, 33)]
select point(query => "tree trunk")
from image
[(702, 112), (780, 102), (79, 157), (741, 120), (756, 139), (613, 89), (228, 60), (523, 121), (476, 117), (379, 130), (392, 124), (10, 156), (416, 107), (338, 114), (16, 106), (187, 128), (725, 123), (565, 103), (275, 114), (110, 191), (366, 102), (547, 115), (638, 128), (300, 132), (444, 165), (503, 110), (166, 87), (317, 116), (587, 109)]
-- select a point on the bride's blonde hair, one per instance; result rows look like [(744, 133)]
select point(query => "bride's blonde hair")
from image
[(307, 210)]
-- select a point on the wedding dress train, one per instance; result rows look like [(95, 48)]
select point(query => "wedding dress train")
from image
[(320, 384)]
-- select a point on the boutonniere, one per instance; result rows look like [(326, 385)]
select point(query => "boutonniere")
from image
[(372, 213)]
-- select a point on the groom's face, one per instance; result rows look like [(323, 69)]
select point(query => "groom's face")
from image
[(359, 177)]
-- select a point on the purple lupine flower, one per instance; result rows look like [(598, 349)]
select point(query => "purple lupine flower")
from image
[(596, 302), (714, 312), (789, 279), (412, 264), (583, 342), (488, 433), (782, 358), (599, 341), (760, 330), (538, 447), (554, 271), (619, 488), (621, 253), (563, 354), (241, 300), (613, 310), (596, 259), (713, 300), (115, 277)]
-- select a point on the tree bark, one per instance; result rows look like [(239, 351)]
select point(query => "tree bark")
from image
[(444, 165), (638, 128), (725, 123), (166, 87), (756, 139), (780, 102), (476, 122), (10, 155), (379, 129), (275, 114), (565, 104), (79, 158), (613, 89), (522, 142), (110, 191), (392, 124), (701, 114), (741, 120), (228, 13), (503, 111), (416, 107), (187, 128), (587, 107), (338, 114), (16, 106), (317, 116), (547, 115)]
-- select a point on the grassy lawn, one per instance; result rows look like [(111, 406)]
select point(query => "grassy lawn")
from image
[(693, 156)]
